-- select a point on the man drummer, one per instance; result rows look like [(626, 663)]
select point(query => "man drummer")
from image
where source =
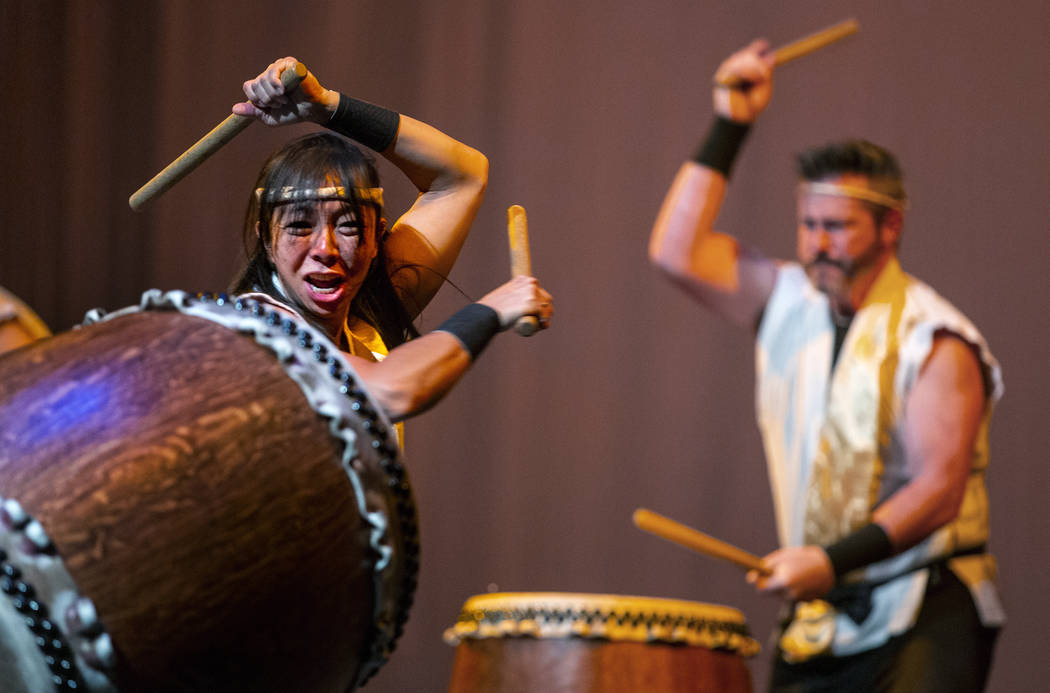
[(873, 397)]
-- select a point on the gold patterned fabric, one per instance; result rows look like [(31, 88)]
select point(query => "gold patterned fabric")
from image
[(846, 473)]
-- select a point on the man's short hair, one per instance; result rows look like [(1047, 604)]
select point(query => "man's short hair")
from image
[(858, 157)]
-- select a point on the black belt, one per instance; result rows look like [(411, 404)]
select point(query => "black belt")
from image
[(854, 599)]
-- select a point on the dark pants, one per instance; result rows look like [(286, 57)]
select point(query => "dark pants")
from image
[(948, 650)]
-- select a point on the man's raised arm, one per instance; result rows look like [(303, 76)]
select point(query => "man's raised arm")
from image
[(712, 266)]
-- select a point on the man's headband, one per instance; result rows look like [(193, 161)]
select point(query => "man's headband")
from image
[(334, 192), (856, 192)]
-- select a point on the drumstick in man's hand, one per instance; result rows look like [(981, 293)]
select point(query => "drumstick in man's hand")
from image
[(520, 261), (666, 528), (804, 46)]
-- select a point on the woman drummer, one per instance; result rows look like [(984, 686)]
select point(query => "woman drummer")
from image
[(319, 244)]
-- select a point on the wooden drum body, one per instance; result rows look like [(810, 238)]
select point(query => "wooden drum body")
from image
[(197, 495), (549, 642)]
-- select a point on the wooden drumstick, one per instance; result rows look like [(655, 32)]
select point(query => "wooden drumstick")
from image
[(804, 46), (520, 261), (690, 538), (206, 146)]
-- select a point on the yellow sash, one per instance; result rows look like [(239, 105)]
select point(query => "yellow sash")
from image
[(847, 470)]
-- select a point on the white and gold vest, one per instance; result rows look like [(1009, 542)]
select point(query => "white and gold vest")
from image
[(833, 438)]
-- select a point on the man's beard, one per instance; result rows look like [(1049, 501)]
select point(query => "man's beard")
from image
[(833, 277), (830, 276)]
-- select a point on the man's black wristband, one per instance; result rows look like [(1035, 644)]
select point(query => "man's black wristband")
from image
[(723, 142), (867, 545), (473, 326), (371, 125)]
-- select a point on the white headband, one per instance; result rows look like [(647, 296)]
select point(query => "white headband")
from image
[(334, 192), (856, 192)]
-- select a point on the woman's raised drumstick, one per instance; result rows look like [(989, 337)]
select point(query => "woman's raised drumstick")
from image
[(805, 46), (205, 147), (690, 538)]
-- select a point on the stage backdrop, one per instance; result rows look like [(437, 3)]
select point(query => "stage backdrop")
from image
[(528, 473)]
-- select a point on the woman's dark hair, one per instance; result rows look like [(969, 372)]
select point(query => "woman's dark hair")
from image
[(314, 161)]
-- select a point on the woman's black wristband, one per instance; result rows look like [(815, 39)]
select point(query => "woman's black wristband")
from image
[(371, 125), (723, 143), (869, 544), (473, 326)]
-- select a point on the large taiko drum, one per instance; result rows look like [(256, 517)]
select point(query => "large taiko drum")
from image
[(552, 642), (19, 325), (197, 494)]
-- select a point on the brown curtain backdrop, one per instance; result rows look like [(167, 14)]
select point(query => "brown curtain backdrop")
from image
[(528, 473)]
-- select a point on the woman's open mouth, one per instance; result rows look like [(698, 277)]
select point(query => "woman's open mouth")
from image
[(325, 288)]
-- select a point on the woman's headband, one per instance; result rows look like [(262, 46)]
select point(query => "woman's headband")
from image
[(334, 192)]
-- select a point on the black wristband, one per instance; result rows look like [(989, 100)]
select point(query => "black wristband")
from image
[(867, 545), (371, 125), (473, 326), (723, 142)]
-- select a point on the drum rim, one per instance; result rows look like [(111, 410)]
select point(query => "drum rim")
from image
[(612, 603), (607, 617)]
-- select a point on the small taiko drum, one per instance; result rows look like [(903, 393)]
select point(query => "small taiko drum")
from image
[(19, 325), (197, 494), (551, 642)]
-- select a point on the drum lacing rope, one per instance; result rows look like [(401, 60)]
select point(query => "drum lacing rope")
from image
[(734, 637)]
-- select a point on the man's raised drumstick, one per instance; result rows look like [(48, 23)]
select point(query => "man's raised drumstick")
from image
[(804, 46)]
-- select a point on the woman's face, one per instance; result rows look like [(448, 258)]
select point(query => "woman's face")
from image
[(322, 250)]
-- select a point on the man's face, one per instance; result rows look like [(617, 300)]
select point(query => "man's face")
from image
[(838, 240)]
